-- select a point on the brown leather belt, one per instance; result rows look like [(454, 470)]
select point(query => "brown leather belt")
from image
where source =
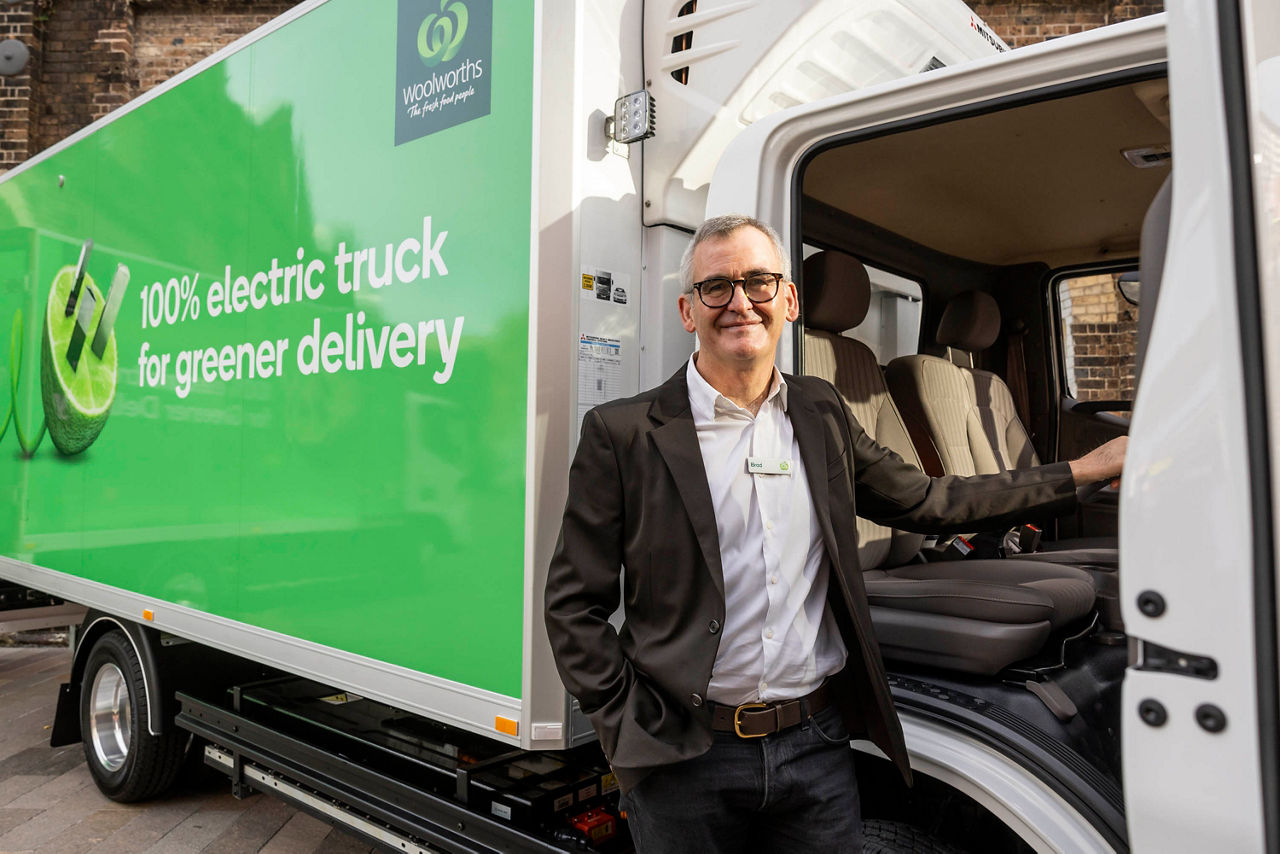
[(755, 720)]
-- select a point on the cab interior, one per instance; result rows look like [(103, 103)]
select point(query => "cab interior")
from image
[(1034, 205)]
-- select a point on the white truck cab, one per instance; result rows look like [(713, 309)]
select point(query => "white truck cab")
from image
[(1008, 176)]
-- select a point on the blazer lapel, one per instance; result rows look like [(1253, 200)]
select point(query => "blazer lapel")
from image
[(677, 441), (806, 422)]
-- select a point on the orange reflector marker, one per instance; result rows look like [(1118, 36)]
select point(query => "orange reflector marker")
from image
[(148, 614), (506, 726)]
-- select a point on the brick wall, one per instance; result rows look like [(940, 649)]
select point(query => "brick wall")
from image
[(89, 57), (86, 58), (174, 35), (1104, 359), (1026, 23)]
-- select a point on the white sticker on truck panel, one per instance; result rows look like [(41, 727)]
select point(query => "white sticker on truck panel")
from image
[(599, 371)]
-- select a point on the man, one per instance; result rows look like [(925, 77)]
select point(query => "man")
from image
[(727, 495)]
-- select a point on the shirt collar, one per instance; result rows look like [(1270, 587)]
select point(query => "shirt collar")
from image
[(706, 403)]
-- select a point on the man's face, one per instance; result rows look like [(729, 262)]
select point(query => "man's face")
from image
[(740, 334)]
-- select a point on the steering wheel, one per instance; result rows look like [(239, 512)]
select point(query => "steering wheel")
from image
[(1094, 492)]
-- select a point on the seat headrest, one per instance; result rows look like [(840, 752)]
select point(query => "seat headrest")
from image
[(837, 291), (970, 322)]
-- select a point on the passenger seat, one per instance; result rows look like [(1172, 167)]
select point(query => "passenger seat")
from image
[(976, 616)]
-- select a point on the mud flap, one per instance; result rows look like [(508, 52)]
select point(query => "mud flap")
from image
[(66, 719)]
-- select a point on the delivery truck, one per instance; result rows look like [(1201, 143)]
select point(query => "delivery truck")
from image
[(300, 342)]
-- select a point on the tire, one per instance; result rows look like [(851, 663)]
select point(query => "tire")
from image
[(127, 762), (893, 837)]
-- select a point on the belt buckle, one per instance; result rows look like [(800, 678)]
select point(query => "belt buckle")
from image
[(737, 723)]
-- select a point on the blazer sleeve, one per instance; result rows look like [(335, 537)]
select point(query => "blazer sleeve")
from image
[(892, 492), (583, 579)]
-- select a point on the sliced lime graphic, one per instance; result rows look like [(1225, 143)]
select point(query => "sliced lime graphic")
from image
[(76, 400)]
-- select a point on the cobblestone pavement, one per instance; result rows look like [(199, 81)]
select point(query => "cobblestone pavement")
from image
[(48, 802)]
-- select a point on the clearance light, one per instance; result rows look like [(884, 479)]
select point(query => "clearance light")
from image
[(148, 614)]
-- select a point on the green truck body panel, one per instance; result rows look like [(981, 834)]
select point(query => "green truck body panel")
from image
[(347, 467)]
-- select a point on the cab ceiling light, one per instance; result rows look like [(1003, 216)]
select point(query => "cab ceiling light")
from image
[(1149, 156)]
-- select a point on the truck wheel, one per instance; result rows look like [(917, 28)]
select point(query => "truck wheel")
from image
[(895, 837), (127, 762)]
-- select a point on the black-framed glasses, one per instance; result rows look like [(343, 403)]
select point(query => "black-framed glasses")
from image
[(759, 287)]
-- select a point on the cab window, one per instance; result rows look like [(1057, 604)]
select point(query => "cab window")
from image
[(1098, 332)]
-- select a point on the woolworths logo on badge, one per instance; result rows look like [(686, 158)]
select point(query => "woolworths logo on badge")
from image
[(444, 51)]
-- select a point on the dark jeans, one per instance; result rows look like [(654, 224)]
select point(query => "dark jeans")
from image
[(789, 792)]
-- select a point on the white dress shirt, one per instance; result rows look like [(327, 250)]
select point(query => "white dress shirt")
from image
[(779, 640)]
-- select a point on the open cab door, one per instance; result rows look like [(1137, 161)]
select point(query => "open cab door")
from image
[(1198, 510), (1149, 724)]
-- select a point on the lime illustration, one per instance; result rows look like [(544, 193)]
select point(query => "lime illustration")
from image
[(76, 399)]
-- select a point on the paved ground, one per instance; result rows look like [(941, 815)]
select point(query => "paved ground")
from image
[(48, 802)]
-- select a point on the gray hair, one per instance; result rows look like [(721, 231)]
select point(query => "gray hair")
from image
[(720, 227)]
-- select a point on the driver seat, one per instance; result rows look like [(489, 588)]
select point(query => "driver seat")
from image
[(964, 418)]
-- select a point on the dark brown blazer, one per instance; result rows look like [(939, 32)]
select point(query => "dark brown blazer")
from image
[(639, 505)]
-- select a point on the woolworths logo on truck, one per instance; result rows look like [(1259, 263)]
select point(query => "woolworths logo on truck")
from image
[(441, 35), (444, 51)]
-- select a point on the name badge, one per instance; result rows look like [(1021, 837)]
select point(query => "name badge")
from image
[(768, 465)]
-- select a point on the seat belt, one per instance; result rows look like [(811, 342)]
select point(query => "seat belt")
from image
[(1024, 539), (1016, 368)]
